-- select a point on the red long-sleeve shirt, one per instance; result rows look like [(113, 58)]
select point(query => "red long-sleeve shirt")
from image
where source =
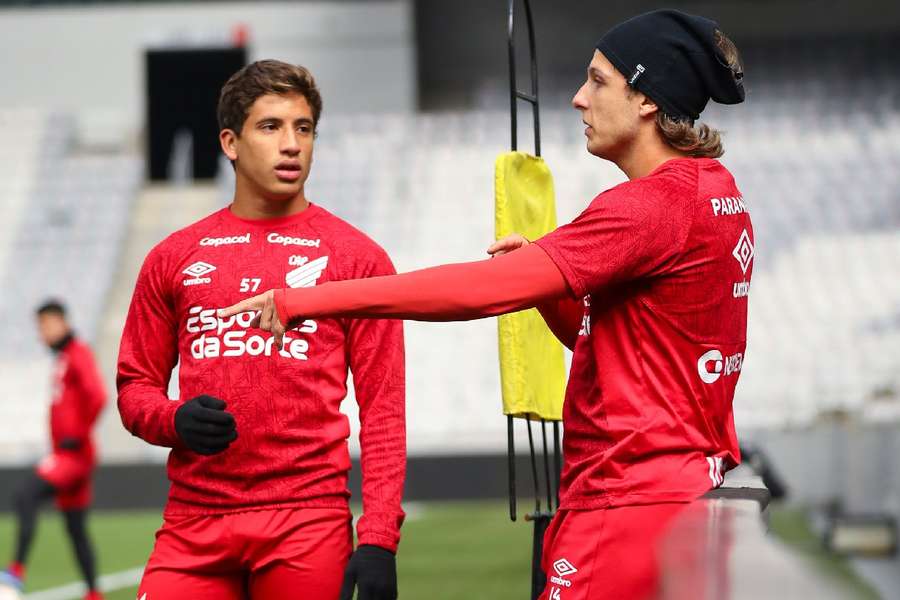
[(292, 448), (78, 398), (661, 266)]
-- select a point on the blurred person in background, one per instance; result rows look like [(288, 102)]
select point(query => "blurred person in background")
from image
[(66, 473), (648, 287), (258, 504)]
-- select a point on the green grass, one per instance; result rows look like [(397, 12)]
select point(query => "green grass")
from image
[(791, 526), (450, 551), (123, 541), (456, 551), (463, 551)]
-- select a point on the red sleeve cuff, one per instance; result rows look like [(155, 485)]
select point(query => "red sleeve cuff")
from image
[(158, 428), (168, 423), (387, 542)]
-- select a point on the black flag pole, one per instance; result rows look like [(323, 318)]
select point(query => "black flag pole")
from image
[(511, 457), (541, 518), (514, 93)]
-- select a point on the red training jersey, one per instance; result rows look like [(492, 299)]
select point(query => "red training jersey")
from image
[(291, 449), (663, 263), (78, 398)]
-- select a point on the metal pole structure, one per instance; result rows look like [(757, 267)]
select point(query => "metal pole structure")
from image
[(511, 466), (547, 467), (514, 93), (540, 518)]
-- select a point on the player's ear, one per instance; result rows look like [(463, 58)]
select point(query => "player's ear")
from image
[(228, 141), (647, 108)]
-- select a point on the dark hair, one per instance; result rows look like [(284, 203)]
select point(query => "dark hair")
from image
[(52, 307), (261, 78)]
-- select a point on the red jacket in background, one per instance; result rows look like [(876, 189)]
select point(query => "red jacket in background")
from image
[(78, 397)]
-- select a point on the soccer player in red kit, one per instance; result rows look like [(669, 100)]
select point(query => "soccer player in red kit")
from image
[(258, 505), (65, 474), (648, 287)]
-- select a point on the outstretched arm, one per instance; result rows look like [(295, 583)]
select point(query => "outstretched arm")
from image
[(562, 315), (457, 292)]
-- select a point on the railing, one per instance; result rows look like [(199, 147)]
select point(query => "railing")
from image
[(718, 549)]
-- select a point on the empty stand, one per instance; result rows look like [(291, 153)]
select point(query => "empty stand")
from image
[(64, 217)]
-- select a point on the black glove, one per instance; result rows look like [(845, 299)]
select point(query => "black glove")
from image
[(373, 570), (204, 426), (70, 443)]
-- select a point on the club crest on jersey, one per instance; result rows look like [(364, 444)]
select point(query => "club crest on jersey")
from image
[(307, 273), (196, 273)]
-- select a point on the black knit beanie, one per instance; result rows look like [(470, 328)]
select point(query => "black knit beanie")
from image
[(672, 57)]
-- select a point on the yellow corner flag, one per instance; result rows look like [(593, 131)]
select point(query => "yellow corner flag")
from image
[(532, 367)]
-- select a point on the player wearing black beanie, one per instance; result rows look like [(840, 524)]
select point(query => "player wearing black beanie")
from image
[(648, 287), (676, 59), (662, 67)]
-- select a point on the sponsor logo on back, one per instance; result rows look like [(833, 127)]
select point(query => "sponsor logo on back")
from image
[(712, 365), (743, 251)]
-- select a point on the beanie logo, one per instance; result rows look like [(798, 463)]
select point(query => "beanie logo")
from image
[(638, 71)]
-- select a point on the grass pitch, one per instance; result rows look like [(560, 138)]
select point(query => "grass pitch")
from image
[(449, 551), (455, 551)]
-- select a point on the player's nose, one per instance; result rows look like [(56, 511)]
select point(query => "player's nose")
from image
[(290, 143), (579, 100)]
